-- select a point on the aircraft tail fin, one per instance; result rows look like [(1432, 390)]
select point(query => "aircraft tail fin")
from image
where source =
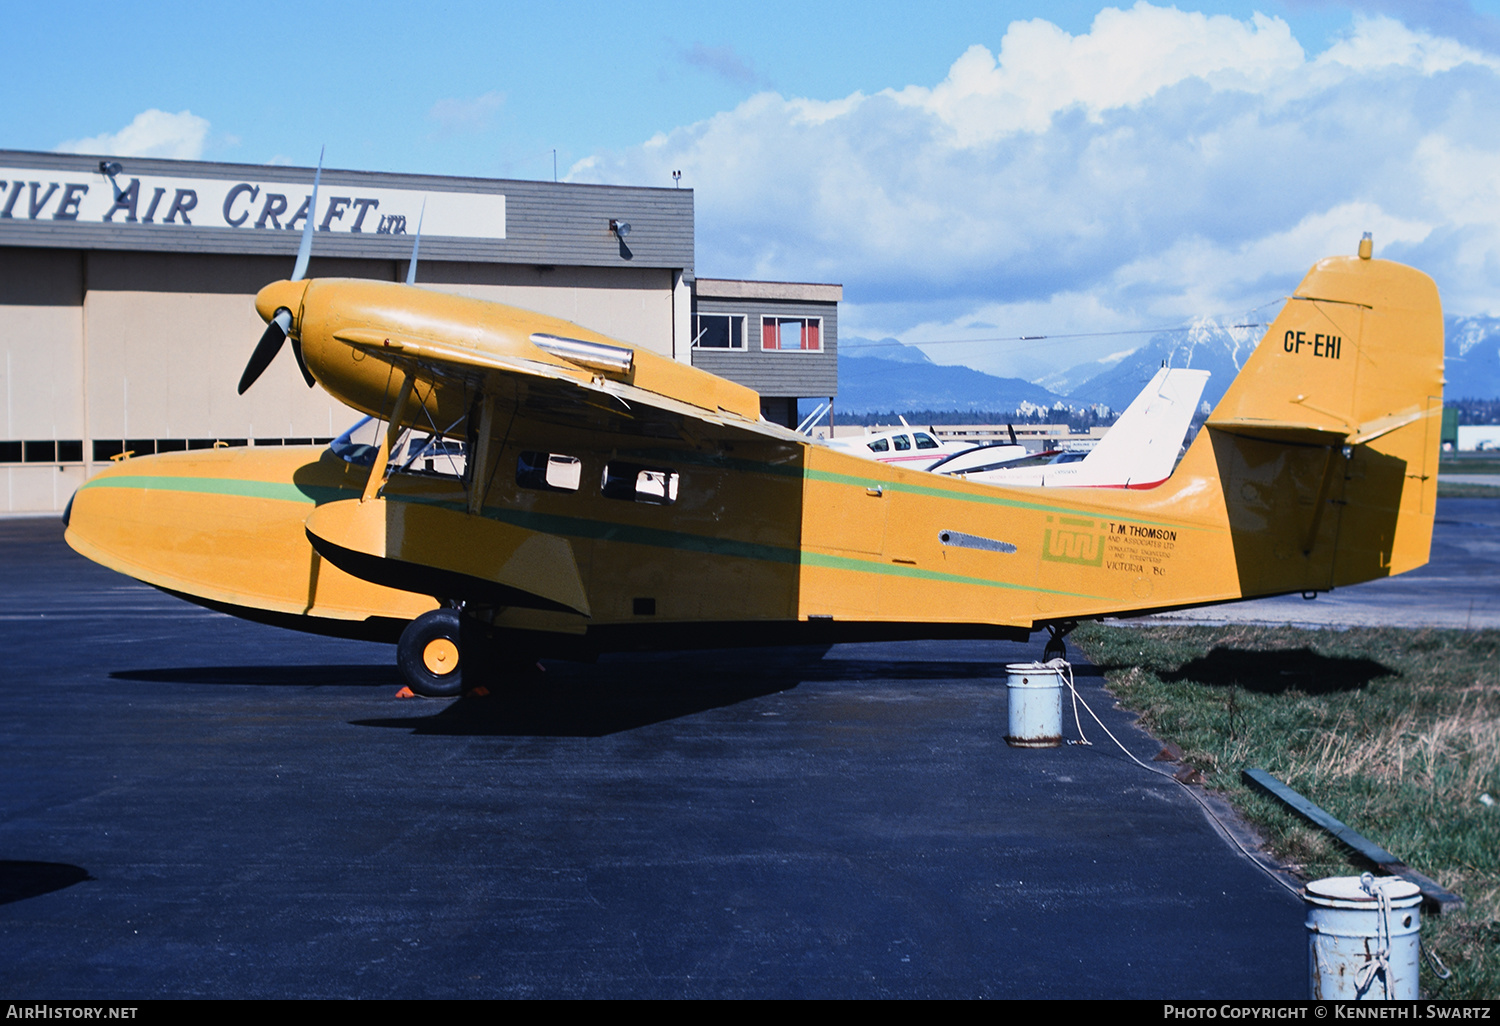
[(1148, 435), (1330, 432)]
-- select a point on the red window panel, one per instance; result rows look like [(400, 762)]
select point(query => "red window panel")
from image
[(786, 333)]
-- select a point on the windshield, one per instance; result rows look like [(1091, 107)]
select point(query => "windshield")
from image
[(414, 452)]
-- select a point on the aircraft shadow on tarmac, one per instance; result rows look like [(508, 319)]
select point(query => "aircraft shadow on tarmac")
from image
[(627, 692), (834, 670), (299, 675), (618, 693), (1278, 671), (21, 880), (583, 708)]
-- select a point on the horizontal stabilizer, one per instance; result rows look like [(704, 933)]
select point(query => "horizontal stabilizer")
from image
[(1285, 432)]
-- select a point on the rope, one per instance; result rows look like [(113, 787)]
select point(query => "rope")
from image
[(1380, 962), (1062, 664)]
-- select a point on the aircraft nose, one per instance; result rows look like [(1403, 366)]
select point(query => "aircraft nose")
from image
[(279, 294)]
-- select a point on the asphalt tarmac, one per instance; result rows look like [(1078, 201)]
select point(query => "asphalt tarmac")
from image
[(195, 806), (1457, 589)]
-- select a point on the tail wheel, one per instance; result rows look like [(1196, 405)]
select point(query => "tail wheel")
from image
[(428, 654)]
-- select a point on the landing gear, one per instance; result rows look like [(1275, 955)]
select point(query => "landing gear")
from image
[(428, 654), (449, 652), (1056, 647)]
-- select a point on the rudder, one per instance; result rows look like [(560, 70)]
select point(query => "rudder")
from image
[(1327, 441)]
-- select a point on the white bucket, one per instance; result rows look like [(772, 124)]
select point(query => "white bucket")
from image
[(1034, 693), (1362, 938)]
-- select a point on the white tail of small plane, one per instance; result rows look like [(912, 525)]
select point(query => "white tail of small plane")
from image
[(1142, 447), (1139, 451)]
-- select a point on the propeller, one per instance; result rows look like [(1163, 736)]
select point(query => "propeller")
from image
[(280, 325), (267, 348)]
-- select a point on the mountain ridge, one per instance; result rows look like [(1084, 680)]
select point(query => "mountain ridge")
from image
[(866, 384)]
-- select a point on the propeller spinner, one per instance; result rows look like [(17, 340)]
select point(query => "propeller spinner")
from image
[(279, 318)]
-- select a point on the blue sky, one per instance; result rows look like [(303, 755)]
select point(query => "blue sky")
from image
[(967, 171)]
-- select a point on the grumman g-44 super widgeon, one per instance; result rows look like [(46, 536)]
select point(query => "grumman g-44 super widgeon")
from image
[(599, 497)]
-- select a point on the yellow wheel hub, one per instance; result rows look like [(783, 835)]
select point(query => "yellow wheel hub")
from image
[(440, 656)]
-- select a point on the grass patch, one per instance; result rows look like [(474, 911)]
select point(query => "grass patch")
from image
[(1396, 732), (1453, 490), (1469, 463)]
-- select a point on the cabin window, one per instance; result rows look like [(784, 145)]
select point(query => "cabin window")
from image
[(433, 455), (549, 472), (635, 483), (903, 442), (880, 445), (925, 441), (718, 331), (804, 333)]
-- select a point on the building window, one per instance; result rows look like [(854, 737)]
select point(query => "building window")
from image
[(718, 331), (805, 333)]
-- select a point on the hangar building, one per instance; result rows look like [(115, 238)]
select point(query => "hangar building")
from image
[(127, 288)]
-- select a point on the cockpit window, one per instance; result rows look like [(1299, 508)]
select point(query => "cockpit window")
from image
[(903, 442), (879, 445), (925, 441), (358, 452), (431, 454)]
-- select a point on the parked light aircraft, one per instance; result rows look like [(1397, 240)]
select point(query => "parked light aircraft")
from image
[(612, 498), (906, 447), (1139, 451)]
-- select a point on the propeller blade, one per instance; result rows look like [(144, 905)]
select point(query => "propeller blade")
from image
[(302, 364), (304, 250), (411, 270), (280, 325), (267, 348)]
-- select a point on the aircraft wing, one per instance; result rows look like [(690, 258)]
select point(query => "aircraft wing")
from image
[(576, 380)]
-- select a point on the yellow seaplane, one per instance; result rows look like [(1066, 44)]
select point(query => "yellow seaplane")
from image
[(541, 490)]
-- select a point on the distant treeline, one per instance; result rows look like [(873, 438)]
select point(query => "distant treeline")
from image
[(1470, 411), (1077, 420)]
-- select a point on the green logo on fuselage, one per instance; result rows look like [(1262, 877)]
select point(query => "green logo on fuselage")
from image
[(1073, 540)]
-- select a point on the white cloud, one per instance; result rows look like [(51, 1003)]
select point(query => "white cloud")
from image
[(1164, 165), (1381, 42), (152, 133), (1128, 57)]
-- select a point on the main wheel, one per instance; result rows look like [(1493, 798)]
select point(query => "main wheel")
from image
[(428, 654)]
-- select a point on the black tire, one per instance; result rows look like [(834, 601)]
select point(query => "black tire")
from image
[(429, 654)]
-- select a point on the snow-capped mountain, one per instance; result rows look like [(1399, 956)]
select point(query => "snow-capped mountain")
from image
[(1206, 345), (885, 375), (1472, 364)]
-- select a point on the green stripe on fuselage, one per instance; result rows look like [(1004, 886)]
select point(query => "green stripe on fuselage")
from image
[(829, 477), (573, 527), (280, 491)]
